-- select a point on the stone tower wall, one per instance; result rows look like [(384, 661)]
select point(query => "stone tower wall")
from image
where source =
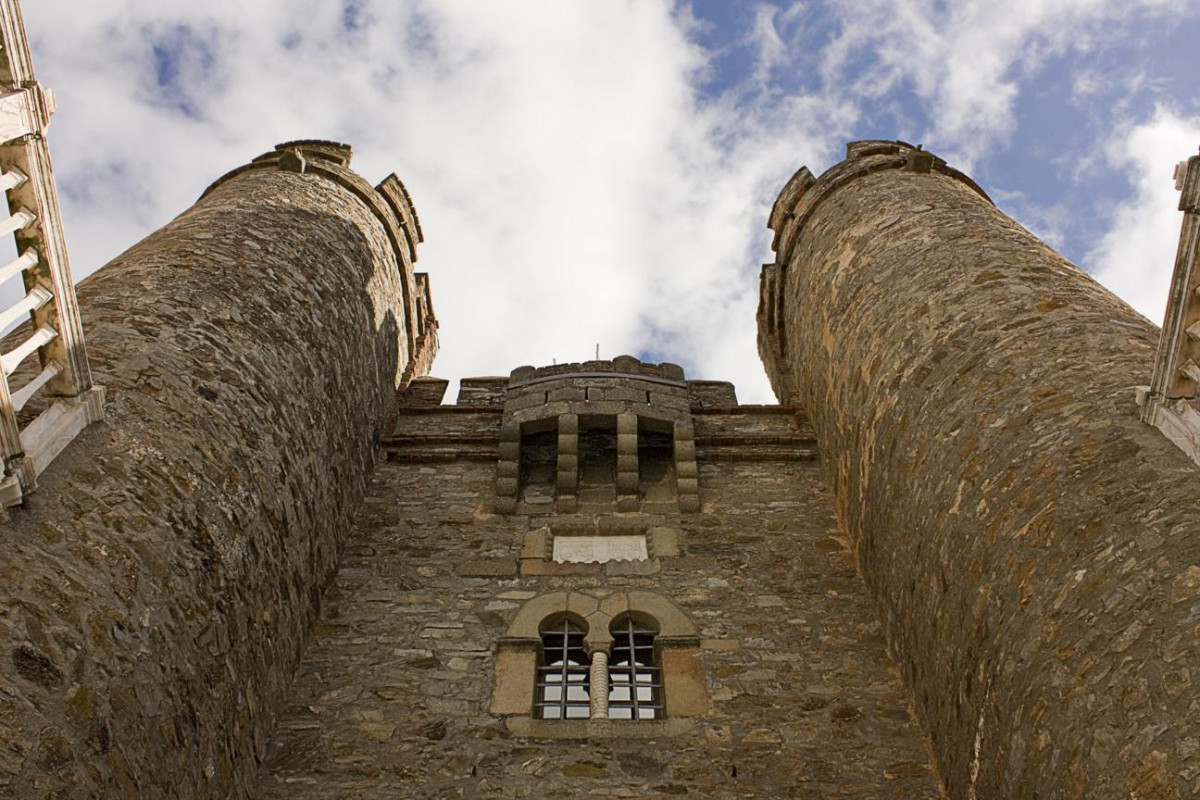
[(417, 683), (1032, 546), (154, 596)]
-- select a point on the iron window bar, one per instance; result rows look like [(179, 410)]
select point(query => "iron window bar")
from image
[(635, 680), (563, 680)]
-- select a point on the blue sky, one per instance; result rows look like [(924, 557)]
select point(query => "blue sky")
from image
[(600, 172)]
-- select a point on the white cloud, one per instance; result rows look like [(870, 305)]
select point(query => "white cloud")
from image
[(1136, 257), (573, 188), (968, 61)]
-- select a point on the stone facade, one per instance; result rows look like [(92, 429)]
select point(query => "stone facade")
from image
[(419, 679)]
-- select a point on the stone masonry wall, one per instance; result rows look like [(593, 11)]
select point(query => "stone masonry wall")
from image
[(394, 694), (155, 592), (1031, 544)]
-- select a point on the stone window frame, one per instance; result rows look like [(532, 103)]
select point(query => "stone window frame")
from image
[(677, 646)]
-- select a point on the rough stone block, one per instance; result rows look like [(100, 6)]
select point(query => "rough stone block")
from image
[(487, 568), (569, 393), (513, 692), (664, 542), (537, 544), (683, 681)]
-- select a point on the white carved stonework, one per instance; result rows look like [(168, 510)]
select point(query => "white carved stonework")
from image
[(599, 549)]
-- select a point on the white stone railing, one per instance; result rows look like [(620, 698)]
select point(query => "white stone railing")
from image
[(1169, 402), (55, 334)]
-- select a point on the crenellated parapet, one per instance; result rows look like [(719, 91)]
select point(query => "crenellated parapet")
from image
[(602, 433)]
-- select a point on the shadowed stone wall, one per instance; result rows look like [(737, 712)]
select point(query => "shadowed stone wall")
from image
[(155, 593), (790, 694), (1031, 544)]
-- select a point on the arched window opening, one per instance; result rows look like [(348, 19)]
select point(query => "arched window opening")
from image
[(635, 677), (563, 686)]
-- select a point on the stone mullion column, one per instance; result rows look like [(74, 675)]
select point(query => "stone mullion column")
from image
[(687, 480), (508, 469), (598, 690), (627, 462), (568, 463)]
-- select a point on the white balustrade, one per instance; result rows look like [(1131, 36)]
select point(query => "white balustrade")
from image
[(18, 265), (21, 219), (36, 298), (27, 177), (12, 179), (12, 359), (22, 395)]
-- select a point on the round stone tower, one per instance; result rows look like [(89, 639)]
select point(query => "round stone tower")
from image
[(156, 591), (1032, 546)]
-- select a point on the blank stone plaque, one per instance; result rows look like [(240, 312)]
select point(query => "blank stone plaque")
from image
[(599, 549)]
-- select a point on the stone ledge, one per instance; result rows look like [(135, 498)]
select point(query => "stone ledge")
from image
[(530, 728)]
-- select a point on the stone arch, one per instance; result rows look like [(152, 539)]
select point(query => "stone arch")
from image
[(674, 626)]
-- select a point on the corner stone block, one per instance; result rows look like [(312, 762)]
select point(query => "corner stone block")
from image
[(683, 679), (506, 487), (536, 544), (514, 689), (664, 542), (566, 504), (567, 477), (689, 504), (568, 445)]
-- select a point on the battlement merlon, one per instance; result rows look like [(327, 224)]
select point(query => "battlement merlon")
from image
[(391, 204)]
